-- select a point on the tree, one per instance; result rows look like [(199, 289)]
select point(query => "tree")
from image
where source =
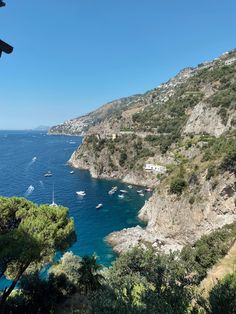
[(89, 276), (222, 297), (29, 237)]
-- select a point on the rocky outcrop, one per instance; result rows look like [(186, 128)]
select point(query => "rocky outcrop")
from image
[(173, 126), (173, 222), (205, 119)]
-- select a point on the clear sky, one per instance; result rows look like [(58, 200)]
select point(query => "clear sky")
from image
[(70, 57)]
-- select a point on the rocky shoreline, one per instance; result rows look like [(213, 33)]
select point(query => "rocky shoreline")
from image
[(172, 221)]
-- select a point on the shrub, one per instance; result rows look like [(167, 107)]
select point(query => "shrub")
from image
[(177, 186), (211, 171), (229, 162), (223, 296)]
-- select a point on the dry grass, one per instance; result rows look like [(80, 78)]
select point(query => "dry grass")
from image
[(227, 265)]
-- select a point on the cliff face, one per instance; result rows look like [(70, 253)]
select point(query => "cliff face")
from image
[(187, 127), (173, 222)]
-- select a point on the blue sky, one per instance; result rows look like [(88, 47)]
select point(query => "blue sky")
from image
[(70, 57)]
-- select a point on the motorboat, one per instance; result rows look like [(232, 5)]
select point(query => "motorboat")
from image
[(71, 172), (121, 196), (141, 194), (123, 191), (111, 192), (148, 190), (140, 191), (81, 193), (130, 186), (48, 174), (99, 205)]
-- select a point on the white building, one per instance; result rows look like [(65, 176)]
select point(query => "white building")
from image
[(230, 61), (155, 168)]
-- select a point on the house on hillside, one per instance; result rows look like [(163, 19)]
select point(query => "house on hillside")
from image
[(155, 168)]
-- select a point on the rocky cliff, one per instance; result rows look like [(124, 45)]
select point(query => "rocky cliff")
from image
[(187, 127)]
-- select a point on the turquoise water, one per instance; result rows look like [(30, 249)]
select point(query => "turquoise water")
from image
[(24, 159)]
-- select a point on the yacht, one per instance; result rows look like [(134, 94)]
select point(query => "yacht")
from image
[(81, 193), (48, 174), (123, 191), (99, 205), (71, 172)]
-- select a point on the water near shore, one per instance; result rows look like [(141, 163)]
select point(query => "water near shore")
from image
[(24, 159)]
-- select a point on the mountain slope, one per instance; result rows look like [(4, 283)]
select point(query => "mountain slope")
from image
[(184, 129)]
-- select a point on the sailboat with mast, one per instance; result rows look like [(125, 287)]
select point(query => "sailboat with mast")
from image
[(53, 204)]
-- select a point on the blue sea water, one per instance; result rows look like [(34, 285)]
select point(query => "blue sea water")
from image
[(25, 157)]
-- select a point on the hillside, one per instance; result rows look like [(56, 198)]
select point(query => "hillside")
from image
[(183, 132), (80, 125)]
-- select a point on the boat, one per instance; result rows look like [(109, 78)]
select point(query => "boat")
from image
[(113, 190), (81, 193), (71, 172), (141, 194), (130, 186), (123, 191), (99, 205), (121, 196), (53, 204), (48, 174), (148, 190), (140, 191)]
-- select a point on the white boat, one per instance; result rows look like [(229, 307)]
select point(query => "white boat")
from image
[(140, 191), (48, 174), (71, 172), (123, 191), (111, 192), (121, 196), (81, 193), (53, 204), (141, 194), (148, 190), (115, 188), (130, 186), (99, 205)]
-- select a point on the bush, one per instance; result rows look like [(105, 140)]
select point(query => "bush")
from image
[(223, 296), (211, 171), (229, 162), (123, 158), (177, 186)]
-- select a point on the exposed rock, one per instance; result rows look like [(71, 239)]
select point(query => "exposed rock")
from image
[(205, 119), (173, 222)]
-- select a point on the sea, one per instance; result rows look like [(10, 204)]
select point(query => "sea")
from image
[(25, 156)]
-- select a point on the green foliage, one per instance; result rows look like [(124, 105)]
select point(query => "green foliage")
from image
[(229, 162), (39, 295), (209, 249), (68, 265), (211, 172), (222, 297), (142, 282), (123, 158), (178, 185), (89, 275), (29, 236)]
